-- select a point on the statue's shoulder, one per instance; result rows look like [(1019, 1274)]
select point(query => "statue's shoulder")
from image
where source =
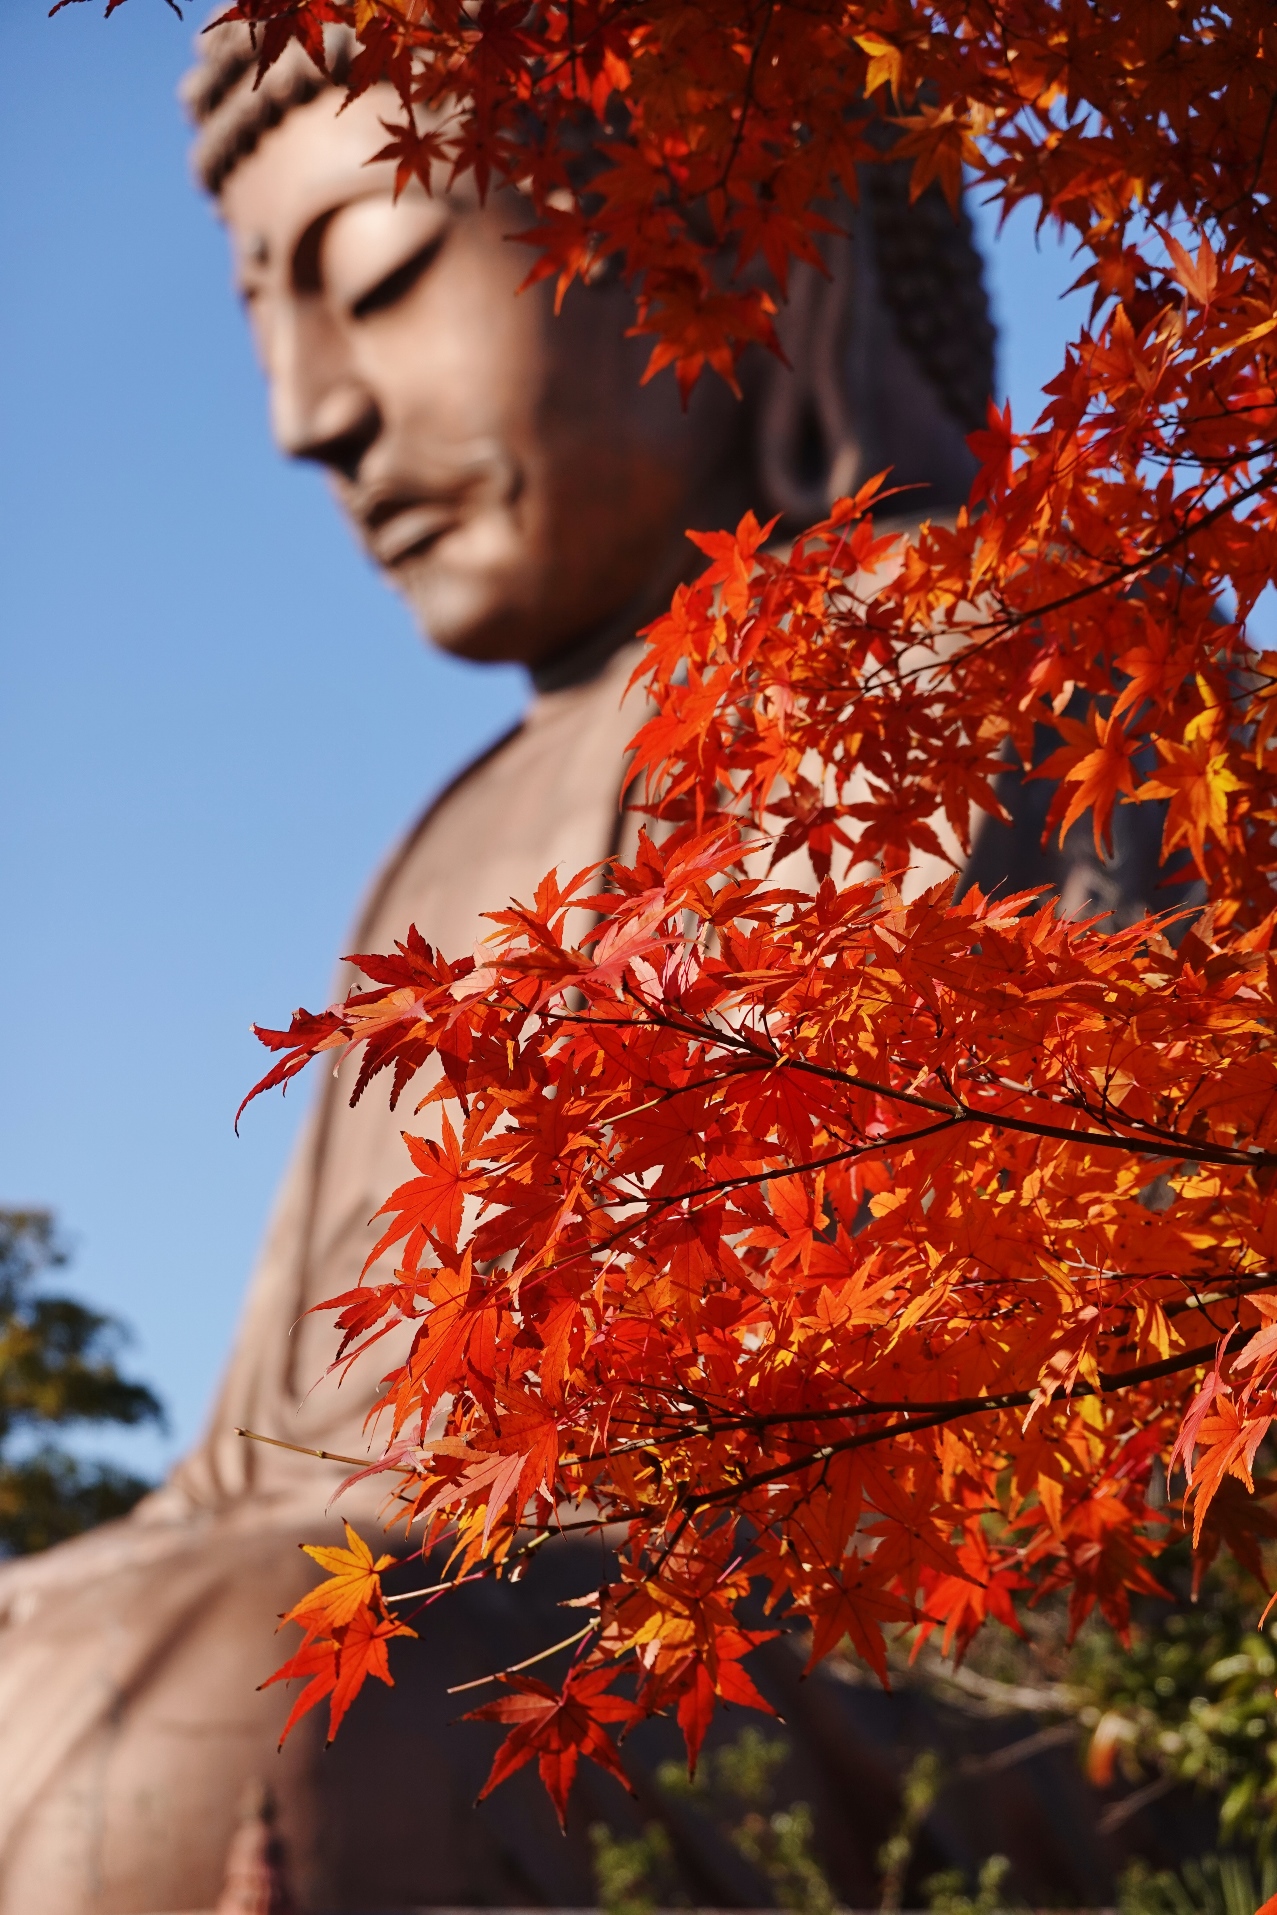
[(427, 820)]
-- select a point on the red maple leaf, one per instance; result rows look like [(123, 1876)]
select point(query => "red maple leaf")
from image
[(558, 1728)]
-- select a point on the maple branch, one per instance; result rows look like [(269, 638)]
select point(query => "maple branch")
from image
[(1238, 1287), (979, 636), (536, 1541), (962, 1406), (656, 1205), (747, 101), (953, 1412), (719, 1422), (1010, 620), (492, 1569), (1165, 1143)]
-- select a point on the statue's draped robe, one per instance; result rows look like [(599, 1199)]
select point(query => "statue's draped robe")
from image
[(129, 1722), (128, 1657)]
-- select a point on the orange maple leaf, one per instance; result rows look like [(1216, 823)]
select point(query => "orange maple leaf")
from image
[(338, 1666), (434, 1201), (939, 141), (1097, 761), (1198, 277)]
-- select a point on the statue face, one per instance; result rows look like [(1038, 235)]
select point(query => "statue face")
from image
[(503, 466)]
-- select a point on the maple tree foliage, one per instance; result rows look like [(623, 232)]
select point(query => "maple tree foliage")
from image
[(868, 1251)]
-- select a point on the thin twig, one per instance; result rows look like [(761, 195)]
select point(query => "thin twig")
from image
[(513, 1670), (431, 1589), (325, 1456)]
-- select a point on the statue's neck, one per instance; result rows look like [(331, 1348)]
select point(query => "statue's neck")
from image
[(585, 657), (577, 663)]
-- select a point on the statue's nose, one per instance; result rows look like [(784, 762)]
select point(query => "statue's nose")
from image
[(320, 407), (334, 426)]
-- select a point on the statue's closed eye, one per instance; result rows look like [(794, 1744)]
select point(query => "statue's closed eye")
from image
[(398, 283)]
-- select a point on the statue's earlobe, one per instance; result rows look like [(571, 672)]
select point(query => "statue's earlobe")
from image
[(808, 449)]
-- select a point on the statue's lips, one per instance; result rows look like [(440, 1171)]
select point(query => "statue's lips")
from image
[(407, 530)]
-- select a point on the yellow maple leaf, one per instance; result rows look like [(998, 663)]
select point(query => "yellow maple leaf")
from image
[(1196, 778), (886, 62), (354, 1583)]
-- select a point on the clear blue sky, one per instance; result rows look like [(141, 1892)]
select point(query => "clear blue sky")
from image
[(213, 717)]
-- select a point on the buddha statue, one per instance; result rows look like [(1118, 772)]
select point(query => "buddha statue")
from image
[(507, 471)]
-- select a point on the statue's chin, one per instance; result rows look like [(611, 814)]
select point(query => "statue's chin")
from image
[(493, 601), (487, 621), (486, 612), (477, 629)]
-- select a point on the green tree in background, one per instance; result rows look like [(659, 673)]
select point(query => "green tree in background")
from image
[(734, 1789), (57, 1367), (1188, 1701)]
